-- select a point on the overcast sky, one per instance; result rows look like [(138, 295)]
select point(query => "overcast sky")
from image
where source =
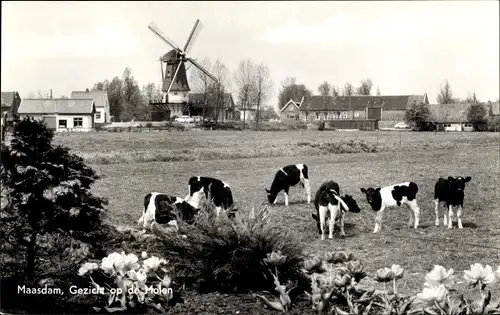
[(407, 47)]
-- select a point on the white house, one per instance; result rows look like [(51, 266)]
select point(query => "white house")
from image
[(61, 114), (102, 115)]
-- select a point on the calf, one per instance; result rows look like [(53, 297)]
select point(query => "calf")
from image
[(161, 208), (220, 192), (287, 177), (391, 196), (451, 193), (327, 201)]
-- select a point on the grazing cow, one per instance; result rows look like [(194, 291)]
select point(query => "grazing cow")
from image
[(287, 177), (220, 192), (161, 208), (326, 200), (451, 192), (391, 196)]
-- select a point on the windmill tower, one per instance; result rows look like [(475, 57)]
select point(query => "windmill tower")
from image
[(175, 86)]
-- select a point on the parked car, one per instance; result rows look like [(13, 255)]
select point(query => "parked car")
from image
[(401, 125), (184, 119), (197, 119)]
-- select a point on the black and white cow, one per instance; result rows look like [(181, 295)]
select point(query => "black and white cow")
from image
[(330, 205), (287, 177), (162, 208), (451, 193), (220, 192), (392, 196)]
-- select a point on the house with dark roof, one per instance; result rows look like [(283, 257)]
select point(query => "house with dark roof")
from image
[(451, 117), (61, 114), (9, 106), (383, 107), (291, 110), (102, 115), (209, 101)]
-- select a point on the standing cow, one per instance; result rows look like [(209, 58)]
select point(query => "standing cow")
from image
[(392, 196), (332, 207), (450, 192), (287, 177), (220, 192)]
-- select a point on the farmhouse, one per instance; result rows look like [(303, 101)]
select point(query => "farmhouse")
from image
[(223, 111), (102, 115), (9, 106), (291, 110), (384, 108), (61, 114), (247, 114), (451, 117)]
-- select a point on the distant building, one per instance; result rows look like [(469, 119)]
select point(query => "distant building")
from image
[(247, 114), (223, 111), (61, 114), (451, 117), (356, 107), (9, 106), (102, 114)]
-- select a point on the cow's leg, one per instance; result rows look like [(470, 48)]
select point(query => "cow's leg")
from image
[(322, 218), (378, 220), (459, 217), (286, 195), (445, 215), (436, 210), (342, 214), (450, 216), (307, 187), (416, 212), (333, 214)]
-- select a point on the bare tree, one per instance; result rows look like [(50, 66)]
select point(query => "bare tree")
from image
[(245, 85), (201, 83), (324, 88), (365, 87), (471, 99), (445, 95), (348, 89), (221, 73), (335, 91), (263, 87), (378, 91)]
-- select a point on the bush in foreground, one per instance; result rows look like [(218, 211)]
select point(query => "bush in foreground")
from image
[(219, 254)]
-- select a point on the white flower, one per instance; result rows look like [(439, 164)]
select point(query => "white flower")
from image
[(144, 255), (114, 260), (397, 271), (139, 275), (153, 263), (86, 267), (479, 275), (129, 262), (438, 275), (435, 293)]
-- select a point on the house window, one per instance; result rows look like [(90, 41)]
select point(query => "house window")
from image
[(98, 115), (317, 115), (63, 123), (356, 114), (326, 115), (78, 122), (344, 115)]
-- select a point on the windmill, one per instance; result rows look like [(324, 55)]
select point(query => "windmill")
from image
[(175, 86)]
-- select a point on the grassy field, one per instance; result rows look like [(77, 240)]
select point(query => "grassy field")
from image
[(134, 164)]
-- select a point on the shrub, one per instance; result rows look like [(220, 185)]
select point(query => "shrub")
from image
[(321, 126), (476, 114), (219, 254)]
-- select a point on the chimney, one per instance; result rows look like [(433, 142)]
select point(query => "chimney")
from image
[(50, 93)]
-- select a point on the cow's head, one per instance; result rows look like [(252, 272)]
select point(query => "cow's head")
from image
[(351, 203), (458, 183), (271, 197), (372, 194)]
